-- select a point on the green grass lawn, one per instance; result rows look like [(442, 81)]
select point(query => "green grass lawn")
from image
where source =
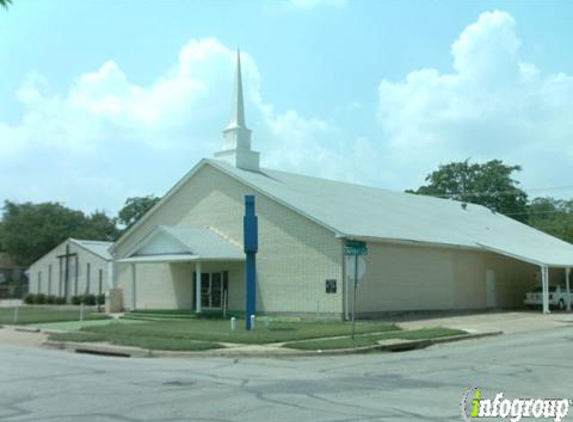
[(153, 343), (219, 330), (372, 339), (40, 314), (202, 334)]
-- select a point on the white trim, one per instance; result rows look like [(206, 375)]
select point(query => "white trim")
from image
[(151, 259), (567, 285), (149, 237), (198, 287)]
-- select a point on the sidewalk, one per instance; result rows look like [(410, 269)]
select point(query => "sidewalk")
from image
[(508, 322), (477, 325)]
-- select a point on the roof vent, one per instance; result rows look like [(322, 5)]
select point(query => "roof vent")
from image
[(464, 206)]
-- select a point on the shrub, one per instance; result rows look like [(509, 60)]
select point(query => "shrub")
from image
[(90, 299), (30, 298), (51, 299), (40, 299), (77, 300), (100, 299), (60, 301)]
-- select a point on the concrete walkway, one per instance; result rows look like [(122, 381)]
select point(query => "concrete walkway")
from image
[(508, 322), (12, 336)]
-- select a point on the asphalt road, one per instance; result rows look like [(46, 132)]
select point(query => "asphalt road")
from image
[(423, 385)]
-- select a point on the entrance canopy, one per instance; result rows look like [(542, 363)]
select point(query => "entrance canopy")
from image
[(182, 244)]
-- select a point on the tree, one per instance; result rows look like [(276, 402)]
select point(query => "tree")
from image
[(553, 216), (5, 3), (135, 208), (489, 184), (30, 230)]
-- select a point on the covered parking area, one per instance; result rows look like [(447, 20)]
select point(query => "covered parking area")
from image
[(214, 261)]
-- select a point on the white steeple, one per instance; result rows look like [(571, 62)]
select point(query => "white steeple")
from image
[(237, 137)]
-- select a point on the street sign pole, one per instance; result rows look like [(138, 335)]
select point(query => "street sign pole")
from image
[(354, 296), (355, 248)]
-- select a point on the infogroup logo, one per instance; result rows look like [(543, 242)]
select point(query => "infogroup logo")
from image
[(474, 407)]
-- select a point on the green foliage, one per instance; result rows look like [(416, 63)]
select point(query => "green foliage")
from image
[(100, 299), (77, 300), (30, 298), (135, 208), (60, 301), (51, 299), (553, 216), (5, 3), (89, 299), (30, 230), (40, 299), (489, 184)]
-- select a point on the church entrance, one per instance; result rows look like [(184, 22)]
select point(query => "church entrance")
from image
[(214, 290)]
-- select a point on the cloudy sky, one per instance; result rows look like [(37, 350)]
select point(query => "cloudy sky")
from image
[(101, 100)]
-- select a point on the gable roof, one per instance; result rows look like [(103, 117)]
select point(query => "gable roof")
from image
[(362, 212), (171, 244), (97, 247)]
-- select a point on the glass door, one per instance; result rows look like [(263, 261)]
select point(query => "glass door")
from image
[(211, 290)]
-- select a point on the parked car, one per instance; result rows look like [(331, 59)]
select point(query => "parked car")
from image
[(557, 297)]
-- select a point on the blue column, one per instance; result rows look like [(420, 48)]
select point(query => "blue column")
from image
[(250, 236)]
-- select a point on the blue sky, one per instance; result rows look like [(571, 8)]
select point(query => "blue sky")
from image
[(101, 100)]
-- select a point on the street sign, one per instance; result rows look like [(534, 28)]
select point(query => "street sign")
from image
[(355, 247)]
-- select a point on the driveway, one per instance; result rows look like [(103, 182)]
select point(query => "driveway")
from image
[(423, 385)]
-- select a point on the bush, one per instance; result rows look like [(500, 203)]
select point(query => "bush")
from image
[(40, 299), (60, 301), (51, 299), (30, 298), (100, 299), (90, 299), (77, 300)]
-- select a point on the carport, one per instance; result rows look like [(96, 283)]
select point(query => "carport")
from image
[(549, 254)]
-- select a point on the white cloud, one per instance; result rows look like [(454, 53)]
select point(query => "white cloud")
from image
[(109, 135), (494, 105), (106, 138)]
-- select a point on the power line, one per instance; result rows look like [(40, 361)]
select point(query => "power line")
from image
[(540, 212), (496, 193)]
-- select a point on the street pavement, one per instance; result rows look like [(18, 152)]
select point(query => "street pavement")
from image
[(422, 385)]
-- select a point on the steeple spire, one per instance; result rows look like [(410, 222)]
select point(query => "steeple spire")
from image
[(236, 137), (238, 106)]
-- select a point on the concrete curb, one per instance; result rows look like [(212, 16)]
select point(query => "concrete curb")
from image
[(24, 329), (404, 345), (393, 345), (98, 348)]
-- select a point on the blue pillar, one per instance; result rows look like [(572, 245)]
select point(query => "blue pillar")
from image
[(250, 236)]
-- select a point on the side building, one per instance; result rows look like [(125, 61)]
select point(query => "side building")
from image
[(74, 267)]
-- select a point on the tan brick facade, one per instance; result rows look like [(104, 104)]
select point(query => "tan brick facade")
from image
[(295, 257)]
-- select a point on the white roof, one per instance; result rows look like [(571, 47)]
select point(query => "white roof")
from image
[(362, 212), (174, 244), (97, 247)]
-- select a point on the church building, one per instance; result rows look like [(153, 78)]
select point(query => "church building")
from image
[(423, 253)]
